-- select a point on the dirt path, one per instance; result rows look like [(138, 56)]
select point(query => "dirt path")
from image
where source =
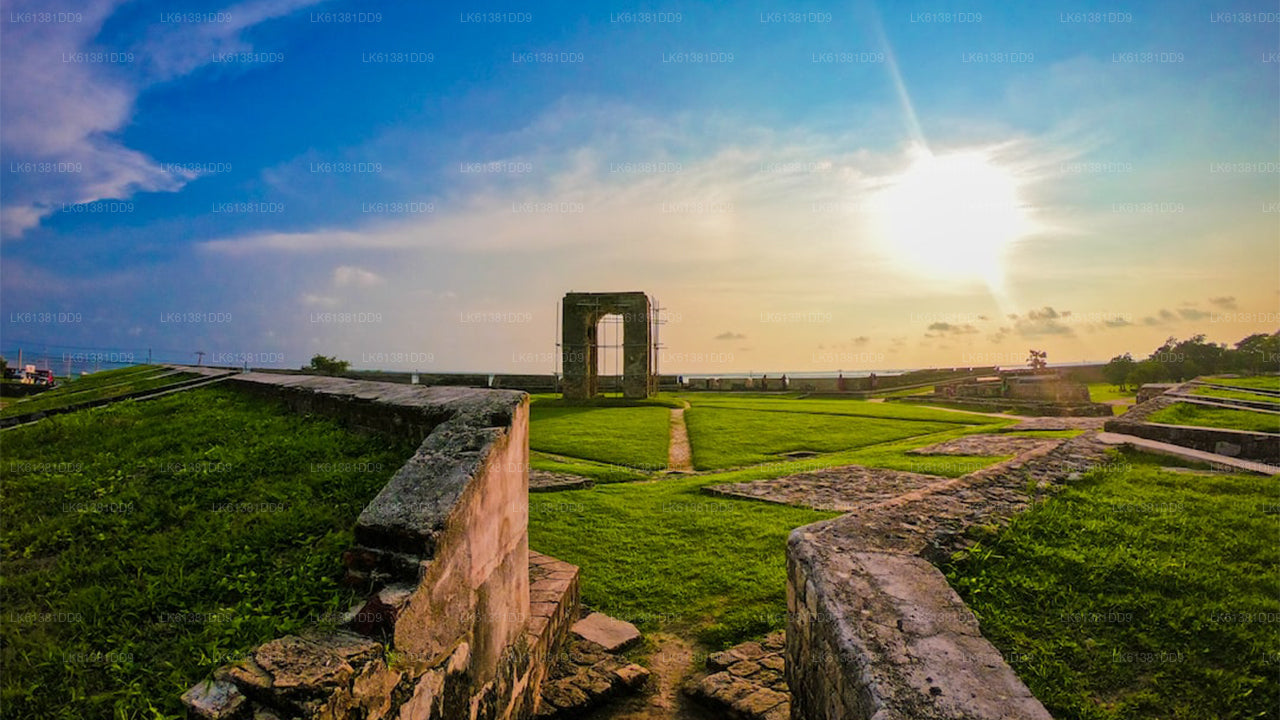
[(679, 453), (671, 665)]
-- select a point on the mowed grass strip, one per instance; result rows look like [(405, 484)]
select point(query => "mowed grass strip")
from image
[(597, 471), (636, 437), (98, 386), (1208, 416), (1138, 593), (859, 408), (723, 437), (147, 543), (1102, 392), (664, 556), (1260, 382), (1242, 394)]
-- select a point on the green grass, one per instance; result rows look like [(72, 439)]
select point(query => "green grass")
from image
[(1138, 593), (174, 535), (1236, 395), (1260, 382), (723, 437), (1102, 392), (1208, 416), (857, 408), (635, 436), (905, 392), (98, 386), (664, 556), (600, 472)]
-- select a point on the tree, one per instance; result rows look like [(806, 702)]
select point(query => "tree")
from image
[(1147, 371), (327, 365), (1117, 370), (1038, 359), (1255, 354)]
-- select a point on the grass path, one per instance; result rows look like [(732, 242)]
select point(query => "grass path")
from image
[(679, 453)]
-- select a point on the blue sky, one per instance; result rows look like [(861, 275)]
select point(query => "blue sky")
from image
[(277, 178)]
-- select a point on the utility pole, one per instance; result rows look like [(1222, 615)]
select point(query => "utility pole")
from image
[(199, 357), (148, 356)]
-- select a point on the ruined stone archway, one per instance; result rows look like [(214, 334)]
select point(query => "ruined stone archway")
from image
[(579, 344)]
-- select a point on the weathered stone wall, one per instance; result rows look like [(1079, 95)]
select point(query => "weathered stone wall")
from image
[(1051, 391), (874, 631), (1244, 444), (446, 631), (1247, 445)]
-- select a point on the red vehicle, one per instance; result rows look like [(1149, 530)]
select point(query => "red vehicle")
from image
[(43, 377)]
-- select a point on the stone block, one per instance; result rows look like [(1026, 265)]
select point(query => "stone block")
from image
[(214, 700), (611, 634)]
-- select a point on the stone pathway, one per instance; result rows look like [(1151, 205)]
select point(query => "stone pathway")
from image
[(1057, 423), (548, 481), (986, 445), (679, 453), (839, 488), (585, 676), (747, 681), (1217, 462), (671, 666), (892, 509)]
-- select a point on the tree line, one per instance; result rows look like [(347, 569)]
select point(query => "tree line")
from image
[(1179, 360)]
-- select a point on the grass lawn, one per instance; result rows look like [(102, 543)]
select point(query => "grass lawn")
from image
[(1237, 395), (600, 472), (1138, 593), (857, 408), (1261, 382), (636, 437), (1102, 392), (1207, 416), (905, 392), (145, 544), (99, 385), (723, 437), (663, 556)]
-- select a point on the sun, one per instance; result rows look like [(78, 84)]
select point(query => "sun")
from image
[(951, 216)]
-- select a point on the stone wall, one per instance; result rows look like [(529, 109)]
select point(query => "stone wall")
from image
[(875, 632), (1244, 444), (446, 630)]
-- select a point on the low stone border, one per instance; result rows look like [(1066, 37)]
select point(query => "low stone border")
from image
[(547, 481), (874, 630), (988, 444), (1245, 444), (461, 620), (1027, 407)]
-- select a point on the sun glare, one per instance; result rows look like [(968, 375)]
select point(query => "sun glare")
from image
[(951, 216)]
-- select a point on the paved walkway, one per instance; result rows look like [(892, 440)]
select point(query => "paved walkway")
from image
[(1163, 448), (679, 453)]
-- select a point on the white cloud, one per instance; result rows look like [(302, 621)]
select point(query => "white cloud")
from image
[(351, 276), (68, 112)]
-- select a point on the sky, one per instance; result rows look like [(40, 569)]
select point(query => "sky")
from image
[(801, 187)]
